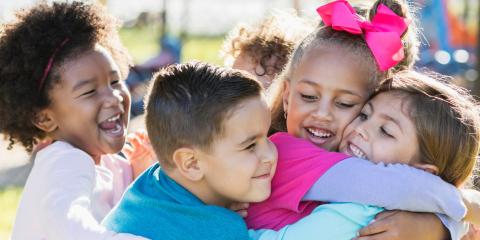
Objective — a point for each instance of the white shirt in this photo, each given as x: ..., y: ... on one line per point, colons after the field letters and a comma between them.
x: 66, y: 195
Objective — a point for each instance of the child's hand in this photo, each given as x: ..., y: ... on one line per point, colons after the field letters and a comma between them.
x: 473, y: 233
x: 396, y: 225
x: 240, y: 208
x: 139, y: 152
x: 471, y: 198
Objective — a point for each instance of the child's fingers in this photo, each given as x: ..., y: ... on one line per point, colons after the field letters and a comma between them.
x: 375, y: 227
x: 127, y: 149
x: 239, y: 206
x: 385, y: 214
x: 142, y: 133
x: 243, y: 213
x: 135, y: 141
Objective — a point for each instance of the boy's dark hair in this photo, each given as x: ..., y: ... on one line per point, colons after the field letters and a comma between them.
x: 26, y: 46
x: 187, y: 105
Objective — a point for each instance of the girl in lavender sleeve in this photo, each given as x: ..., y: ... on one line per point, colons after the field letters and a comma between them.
x: 413, y: 120
x: 330, y: 76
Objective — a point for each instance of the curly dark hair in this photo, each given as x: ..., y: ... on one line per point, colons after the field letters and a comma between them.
x: 26, y: 46
x: 276, y: 35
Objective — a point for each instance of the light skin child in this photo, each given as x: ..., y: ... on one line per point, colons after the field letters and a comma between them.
x: 240, y: 163
x: 384, y: 132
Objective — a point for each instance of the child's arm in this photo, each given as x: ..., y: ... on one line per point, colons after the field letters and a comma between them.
x: 327, y: 221
x: 393, y: 186
x: 140, y: 153
x: 409, y: 225
x: 65, y: 208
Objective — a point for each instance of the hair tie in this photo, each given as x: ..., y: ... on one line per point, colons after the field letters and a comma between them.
x: 50, y: 63
x: 382, y: 34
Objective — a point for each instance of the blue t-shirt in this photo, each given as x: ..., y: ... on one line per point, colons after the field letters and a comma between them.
x: 340, y: 221
x: 157, y: 207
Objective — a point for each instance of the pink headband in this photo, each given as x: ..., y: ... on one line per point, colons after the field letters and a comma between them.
x: 382, y: 34
x: 50, y: 63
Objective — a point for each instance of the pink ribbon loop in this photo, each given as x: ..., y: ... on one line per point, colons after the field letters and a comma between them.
x: 382, y: 34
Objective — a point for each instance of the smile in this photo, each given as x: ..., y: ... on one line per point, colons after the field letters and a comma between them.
x: 356, y: 151
x: 318, y: 135
x: 113, y: 126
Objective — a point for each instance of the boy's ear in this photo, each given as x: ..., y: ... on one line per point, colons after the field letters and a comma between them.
x: 44, y: 121
x: 186, y: 162
x: 427, y: 167
x: 286, y: 94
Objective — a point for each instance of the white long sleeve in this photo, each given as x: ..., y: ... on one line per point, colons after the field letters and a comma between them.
x: 57, y: 198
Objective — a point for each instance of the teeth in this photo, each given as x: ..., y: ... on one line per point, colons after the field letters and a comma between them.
x: 113, y: 119
x: 319, y: 133
x: 356, y: 151
x: 117, y: 129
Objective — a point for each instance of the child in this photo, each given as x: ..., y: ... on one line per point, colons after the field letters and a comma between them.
x: 208, y: 127
x: 61, y: 71
x: 325, y: 85
x: 414, y: 120
x: 263, y: 49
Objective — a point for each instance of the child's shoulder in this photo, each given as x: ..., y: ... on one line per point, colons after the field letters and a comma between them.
x: 61, y: 153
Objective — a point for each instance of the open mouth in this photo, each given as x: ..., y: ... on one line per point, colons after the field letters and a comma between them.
x: 113, y: 126
x: 319, y: 135
x: 356, y: 151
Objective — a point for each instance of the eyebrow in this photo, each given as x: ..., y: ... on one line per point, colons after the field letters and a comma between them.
x: 387, y: 117
x: 312, y: 83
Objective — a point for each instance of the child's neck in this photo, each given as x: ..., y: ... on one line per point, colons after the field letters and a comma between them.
x: 200, y: 189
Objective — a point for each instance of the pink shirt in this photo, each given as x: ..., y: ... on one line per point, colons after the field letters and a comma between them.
x: 300, y: 165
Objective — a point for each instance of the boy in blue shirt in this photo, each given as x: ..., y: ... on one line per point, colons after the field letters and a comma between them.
x: 208, y: 127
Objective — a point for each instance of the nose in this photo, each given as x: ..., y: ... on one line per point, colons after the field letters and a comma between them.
x: 269, y: 154
x: 360, y: 130
x: 324, y: 111
x: 113, y: 97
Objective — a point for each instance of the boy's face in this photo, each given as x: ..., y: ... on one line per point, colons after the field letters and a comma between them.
x: 382, y: 132
x: 91, y: 104
x: 324, y: 95
x: 241, y: 162
x: 247, y: 63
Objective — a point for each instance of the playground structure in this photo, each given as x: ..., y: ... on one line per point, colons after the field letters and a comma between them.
x: 450, y: 28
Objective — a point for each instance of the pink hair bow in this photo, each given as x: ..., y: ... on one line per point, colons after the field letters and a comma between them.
x: 382, y: 34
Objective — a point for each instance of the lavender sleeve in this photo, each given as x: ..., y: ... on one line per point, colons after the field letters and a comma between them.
x: 391, y: 186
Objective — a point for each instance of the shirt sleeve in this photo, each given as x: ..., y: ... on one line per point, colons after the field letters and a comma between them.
x: 297, y: 231
x: 457, y: 229
x: 65, y: 207
x: 392, y: 186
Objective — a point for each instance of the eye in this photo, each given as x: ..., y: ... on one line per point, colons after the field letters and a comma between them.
x: 385, y: 132
x: 251, y: 146
x: 308, y: 98
x: 362, y: 116
x: 88, y: 92
x: 344, y: 105
x: 115, y: 82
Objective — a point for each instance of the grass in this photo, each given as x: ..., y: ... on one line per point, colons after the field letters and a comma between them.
x: 142, y: 44
x: 9, y: 198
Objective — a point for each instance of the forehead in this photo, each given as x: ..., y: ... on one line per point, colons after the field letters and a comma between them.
x: 249, y: 117
x: 392, y: 103
x: 333, y: 70
x: 87, y: 65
